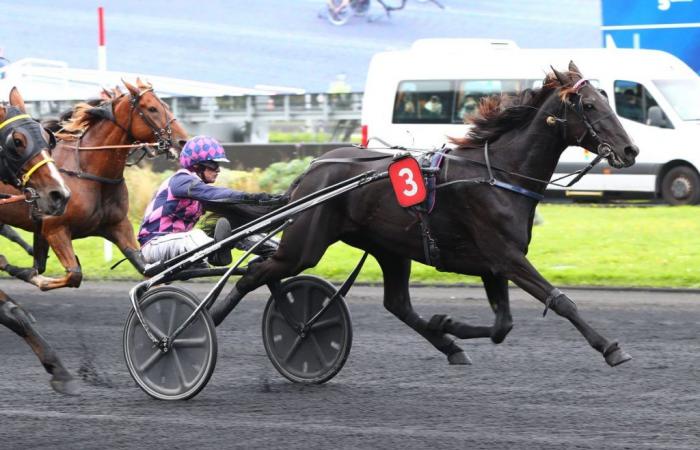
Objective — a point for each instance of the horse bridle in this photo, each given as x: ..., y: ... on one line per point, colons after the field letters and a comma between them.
x: 163, y: 135
x: 11, y: 162
x: 106, y: 110
x: 603, y: 149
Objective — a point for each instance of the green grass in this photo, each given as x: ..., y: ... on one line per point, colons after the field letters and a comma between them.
x: 577, y: 245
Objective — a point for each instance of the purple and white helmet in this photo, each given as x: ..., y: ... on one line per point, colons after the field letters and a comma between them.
x: 201, y: 148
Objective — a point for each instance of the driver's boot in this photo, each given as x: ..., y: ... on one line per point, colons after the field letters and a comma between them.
x: 221, y: 232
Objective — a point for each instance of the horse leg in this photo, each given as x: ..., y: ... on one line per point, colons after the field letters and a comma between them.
x: 397, y: 300
x: 41, y: 252
x: 295, y: 253
x: 522, y: 273
x: 497, y: 292
x: 9, y: 232
x: 17, y: 320
x: 60, y: 241
x: 122, y: 234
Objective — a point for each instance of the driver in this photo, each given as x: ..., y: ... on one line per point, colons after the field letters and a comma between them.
x: 167, y: 229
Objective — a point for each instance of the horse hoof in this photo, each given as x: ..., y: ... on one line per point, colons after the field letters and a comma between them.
x: 615, y: 356
x: 501, y: 333
x: 459, y: 359
x: 66, y: 387
x: 3, y: 262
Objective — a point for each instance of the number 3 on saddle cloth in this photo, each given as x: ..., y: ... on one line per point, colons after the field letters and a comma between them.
x: 414, y: 186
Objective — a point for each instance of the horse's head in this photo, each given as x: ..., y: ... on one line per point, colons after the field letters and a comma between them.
x: 24, y: 158
x: 149, y: 119
x: 590, y: 121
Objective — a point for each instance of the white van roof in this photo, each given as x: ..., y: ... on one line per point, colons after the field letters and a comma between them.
x: 430, y: 59
x: 460, y: 44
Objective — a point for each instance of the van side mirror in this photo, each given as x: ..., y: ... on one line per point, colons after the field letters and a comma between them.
x: 656, y: 118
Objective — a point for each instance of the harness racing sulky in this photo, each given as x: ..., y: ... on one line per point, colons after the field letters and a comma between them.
x: 468, y: 210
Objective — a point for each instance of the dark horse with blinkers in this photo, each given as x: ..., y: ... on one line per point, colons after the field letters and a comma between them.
x: 487, y: 192
x: 92, y: 153
x: 26, y: 165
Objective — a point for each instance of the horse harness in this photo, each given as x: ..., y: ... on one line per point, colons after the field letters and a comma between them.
x: 106, y: 111
x: 431, y: 163
x: 12, y: 163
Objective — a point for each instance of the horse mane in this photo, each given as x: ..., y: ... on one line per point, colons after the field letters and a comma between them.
x: 500, y: 113
x: 76, y: 121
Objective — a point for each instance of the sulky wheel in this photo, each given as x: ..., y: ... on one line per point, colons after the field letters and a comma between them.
x: 317, y: 355
x: 182, y: 371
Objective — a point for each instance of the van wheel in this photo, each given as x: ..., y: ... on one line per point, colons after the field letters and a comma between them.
x: 681, y: 186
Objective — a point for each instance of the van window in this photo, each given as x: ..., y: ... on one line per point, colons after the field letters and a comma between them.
x: 470, y: 92
x: 448, y: 101
x: 683, y: 95
x: 634, y: 102
x: 425, y: 101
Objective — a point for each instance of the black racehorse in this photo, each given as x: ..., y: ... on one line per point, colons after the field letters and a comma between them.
x: 482, y: 220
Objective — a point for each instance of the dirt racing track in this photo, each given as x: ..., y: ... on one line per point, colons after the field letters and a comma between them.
x: 542, y: 388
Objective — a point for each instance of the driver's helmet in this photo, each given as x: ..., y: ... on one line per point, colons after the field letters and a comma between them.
x: 199, y: 149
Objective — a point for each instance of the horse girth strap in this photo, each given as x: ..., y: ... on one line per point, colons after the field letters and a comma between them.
x: 90, y: 177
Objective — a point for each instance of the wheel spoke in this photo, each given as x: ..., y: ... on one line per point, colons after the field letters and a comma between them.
x: 327, y: 323
x: 302, y: 297
x: 150, y: 361
x: 190, y: 342
x: 180, y: 371
x: 171, y: 320
x: 295, y: 346
x: 318, y: 351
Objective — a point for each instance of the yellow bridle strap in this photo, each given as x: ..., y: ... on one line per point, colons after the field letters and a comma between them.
x: 30, y: 172
x: 12, y: 119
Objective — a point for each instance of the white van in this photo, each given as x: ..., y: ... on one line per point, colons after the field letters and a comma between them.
x: 418, y: 97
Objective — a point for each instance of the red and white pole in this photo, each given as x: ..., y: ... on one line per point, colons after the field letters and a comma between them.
x: 102, y: 65
x: 101, y: 46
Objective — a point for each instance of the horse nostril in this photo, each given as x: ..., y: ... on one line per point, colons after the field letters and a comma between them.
x: 632, y: 151
x: 59, y: 198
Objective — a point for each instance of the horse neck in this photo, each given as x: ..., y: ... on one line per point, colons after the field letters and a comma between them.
x: 533, y: 151
x: 108, y: 162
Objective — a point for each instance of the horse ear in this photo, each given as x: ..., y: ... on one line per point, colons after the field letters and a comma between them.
x: 573, y: 68
x: 133, y: 90
x: 3, y: 112
x: 107, y: 94
x: 141, y: 84
x: 16, y: 99
x: 560, y: 76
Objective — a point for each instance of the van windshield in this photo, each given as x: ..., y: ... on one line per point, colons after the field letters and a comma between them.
x: 683, y: 95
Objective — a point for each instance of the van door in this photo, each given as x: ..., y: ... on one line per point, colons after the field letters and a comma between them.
x: 649, y: 127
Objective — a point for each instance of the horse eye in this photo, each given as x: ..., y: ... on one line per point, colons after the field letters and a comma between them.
x: 588, y: 106
x: 18, y: 143
x: 152, y: 109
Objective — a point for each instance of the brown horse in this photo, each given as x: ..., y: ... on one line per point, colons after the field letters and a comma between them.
x: 92, y: 154
x: 25, y: 164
